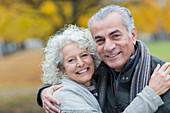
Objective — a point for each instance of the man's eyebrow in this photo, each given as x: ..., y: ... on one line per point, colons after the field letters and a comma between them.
x: 96, y: 37
x: 115, y: 31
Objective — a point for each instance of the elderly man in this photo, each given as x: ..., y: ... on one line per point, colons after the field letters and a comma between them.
x: 126, y: 65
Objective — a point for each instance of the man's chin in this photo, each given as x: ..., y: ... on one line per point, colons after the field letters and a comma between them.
x: 116, y: 66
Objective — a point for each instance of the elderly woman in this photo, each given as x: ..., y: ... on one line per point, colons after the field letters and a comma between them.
x: 70, y: 60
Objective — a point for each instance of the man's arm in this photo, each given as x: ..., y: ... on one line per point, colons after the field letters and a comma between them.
x: 39, y: 101
x: 45, y: 98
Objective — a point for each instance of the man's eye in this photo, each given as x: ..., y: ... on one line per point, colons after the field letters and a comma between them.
x: 99, y: 42
x: 115, y: 36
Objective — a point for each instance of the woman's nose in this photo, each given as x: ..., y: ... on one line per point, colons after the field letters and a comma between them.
x: 80, y: 62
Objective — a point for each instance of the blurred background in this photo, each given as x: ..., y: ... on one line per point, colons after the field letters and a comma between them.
x: 26, y: 25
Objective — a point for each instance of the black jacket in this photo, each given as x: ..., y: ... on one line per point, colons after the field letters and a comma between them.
x: 116, y: 100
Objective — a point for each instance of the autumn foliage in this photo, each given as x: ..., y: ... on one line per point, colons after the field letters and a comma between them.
x: 22, y: 19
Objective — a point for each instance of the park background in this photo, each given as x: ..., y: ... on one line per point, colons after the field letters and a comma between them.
x: 26, y: 25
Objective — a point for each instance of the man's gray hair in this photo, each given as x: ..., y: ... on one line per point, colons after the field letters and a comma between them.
x: 127, y: 19
x: 52, y: 73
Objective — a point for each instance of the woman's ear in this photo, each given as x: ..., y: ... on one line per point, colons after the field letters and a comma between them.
x: 61, y: 67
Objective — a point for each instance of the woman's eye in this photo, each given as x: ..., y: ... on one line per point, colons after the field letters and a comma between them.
x: 84, y: 55
x: 71, y: 60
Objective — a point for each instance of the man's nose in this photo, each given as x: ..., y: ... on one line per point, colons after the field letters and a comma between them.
x: 109, y: 45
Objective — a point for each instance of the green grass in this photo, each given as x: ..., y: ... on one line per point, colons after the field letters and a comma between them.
x: 160, y: 49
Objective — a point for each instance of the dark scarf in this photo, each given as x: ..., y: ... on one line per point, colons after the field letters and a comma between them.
x: 141, y: 75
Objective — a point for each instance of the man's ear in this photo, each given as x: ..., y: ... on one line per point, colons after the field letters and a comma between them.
x: 134, y: 36
x: 61, y: 67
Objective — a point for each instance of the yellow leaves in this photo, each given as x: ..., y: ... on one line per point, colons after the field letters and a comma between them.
x: 57, y: 20
x: 58, y: 12
x: 67, y: 9
x: 83, y: 20
x: 49, y: 8
x: 166, y: 16
x: 41, y: 18
x: 40, y: 27
x: 148, y: 20
x: 147, y: 15
x: 166, y: 23
x: 20, y: 22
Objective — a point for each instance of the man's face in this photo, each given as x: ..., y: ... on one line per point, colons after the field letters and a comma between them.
x: 113, y: 43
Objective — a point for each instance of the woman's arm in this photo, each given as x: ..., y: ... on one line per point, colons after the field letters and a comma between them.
x: 76, y: 98
x: 147, y: 101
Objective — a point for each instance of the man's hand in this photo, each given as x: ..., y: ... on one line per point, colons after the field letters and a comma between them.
x: 160, y: 79
x: 47, y: 99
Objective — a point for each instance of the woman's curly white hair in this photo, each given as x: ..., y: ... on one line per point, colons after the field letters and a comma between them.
x: 52, y: 74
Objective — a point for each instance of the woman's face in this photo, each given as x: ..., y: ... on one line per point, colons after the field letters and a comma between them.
x: 78, y: 64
